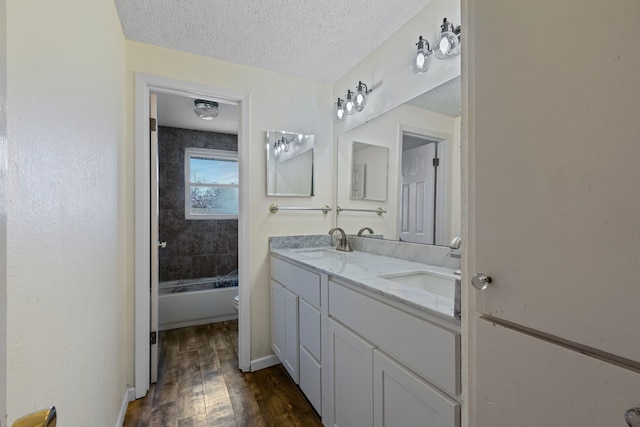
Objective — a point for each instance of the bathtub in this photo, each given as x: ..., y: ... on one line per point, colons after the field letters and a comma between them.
x: 183, y: 303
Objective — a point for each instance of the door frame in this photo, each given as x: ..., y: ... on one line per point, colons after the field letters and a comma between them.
x: 3, y: 214
x: 144, y: 84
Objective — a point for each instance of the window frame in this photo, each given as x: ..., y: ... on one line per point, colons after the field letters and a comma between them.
x: 212, y: 154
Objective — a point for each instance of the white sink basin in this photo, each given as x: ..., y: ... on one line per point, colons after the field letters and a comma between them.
x: 430, y: 282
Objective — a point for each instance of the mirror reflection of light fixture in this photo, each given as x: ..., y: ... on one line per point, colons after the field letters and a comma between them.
x: 280, y: 146
x: 422, y: 58
x: 449, y: 43
x: 349, y: 106
x: 339, y: 111
x: 361, y: 96
x: 206, y: 110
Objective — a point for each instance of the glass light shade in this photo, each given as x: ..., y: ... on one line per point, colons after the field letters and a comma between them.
x: 449, y: 44
x: 349, y: 106
x: 339, y: 111
x: 206, y: 110
x: 361, y: 96
x: 421, y: 59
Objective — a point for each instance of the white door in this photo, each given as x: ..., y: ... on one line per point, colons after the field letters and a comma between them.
x: 153, y: 114
x: 418, y: 195
x: 554, y: 210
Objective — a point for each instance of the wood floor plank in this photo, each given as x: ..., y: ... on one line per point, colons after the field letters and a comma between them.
x: 199, y: 384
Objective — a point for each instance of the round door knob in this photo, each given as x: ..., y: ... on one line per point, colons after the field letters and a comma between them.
x: 632, y: 417
x: 481, y: 281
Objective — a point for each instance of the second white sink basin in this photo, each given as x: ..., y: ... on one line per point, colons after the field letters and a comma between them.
x: 430, y: 282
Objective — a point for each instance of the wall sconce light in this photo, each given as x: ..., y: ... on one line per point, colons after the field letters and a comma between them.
x: 422, y: 57
x: 449, y: 42
x: 206, y: 110
x: 353, y: 101
x: 280, y: 146
x: 361, y: 96
x: 339, y: 111
x: 349, y: 106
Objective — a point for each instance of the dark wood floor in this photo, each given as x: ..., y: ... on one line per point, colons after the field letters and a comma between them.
x: 199, y: 384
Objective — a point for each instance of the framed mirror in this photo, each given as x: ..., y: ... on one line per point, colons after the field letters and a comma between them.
x: 422, y: 180
x: 289, y: 163
x: 369, y: 164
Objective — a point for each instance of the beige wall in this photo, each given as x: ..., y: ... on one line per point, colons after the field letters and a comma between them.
x: 276, y: 101
x: 65, y: 240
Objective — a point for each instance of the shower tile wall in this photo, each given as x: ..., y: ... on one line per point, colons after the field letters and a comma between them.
x: 195, y: 248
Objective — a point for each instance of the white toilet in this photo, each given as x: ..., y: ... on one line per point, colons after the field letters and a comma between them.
x: 236, y: 300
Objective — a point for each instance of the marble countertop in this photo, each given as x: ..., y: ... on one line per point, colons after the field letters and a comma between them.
x: 364, y: 269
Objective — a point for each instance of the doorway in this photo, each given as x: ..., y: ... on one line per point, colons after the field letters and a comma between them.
x: 423, y: 189
x: 145, y: 86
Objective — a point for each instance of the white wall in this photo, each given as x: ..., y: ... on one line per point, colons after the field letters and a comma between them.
x: 65, y: 246
x: 385, y: 131
x: 276, y: 102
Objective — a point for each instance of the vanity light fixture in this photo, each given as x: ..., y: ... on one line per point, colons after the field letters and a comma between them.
x: 349, y: 105
x: 449, y: 41
x: 339, y: 111
x: 206, y: 110
x: 422, y: 58
x: 361, y: 96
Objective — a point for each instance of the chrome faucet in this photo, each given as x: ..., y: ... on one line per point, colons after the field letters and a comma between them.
x: 454, y: 247
x: 363, y: 229
x: 344, y: 245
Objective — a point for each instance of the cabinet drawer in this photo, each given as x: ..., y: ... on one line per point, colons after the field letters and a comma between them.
x: 427, y: 349
x: 304, y: 283
x: 310, y: 379
x: 309, y: 328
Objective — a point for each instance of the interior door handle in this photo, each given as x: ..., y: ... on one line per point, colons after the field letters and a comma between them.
x: 481, y: 281
x: 162, y: 244
x: 43, y: 418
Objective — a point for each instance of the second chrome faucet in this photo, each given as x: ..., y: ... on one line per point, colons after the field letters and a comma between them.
x: 344, y: 244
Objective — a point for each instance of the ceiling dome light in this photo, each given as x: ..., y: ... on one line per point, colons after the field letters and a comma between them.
x: 422, y: 58
x: 206, y: 110
x: 339, y: 111
x: 361, y: 96
x: 349, y: 106
x: 449, y: 43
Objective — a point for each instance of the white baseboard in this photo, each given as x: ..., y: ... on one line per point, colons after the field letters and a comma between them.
x: 129, y: 395
x: 264, y: 362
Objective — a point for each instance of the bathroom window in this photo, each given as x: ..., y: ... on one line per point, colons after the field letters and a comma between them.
x: 211, y: 184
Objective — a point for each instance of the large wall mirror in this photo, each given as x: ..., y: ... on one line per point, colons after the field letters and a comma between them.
x: 420, y: 187
x: 289, y: 164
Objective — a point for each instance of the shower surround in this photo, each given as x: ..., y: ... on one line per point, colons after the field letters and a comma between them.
x: 195, y: 248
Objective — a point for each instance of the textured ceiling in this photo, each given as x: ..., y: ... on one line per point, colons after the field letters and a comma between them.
x: 319, y: 40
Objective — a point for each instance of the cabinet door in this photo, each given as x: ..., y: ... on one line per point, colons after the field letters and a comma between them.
x: 401, y: 398
x: 351, y: 381
x: 277, y: 320
x: 290, y: 306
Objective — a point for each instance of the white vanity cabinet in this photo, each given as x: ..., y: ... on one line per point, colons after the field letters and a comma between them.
x: 389, y: 367
x: 295, y: 325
